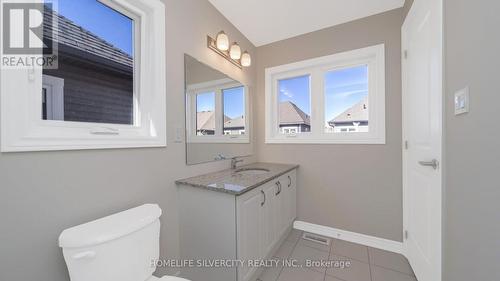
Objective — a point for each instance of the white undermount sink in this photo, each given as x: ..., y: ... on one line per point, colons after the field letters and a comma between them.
x: 251, y: 171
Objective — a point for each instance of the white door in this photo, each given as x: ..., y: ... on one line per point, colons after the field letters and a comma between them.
x: 422, y: 132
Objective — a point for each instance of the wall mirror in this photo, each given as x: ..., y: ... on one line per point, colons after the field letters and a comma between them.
x: 217, y: 114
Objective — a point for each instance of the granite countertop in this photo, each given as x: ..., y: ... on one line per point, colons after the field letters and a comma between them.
x: 228, y: 181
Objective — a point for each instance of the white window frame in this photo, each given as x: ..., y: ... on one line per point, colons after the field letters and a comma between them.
x: 216, y: 86
x: 22, y: 128
x: 373, y: 57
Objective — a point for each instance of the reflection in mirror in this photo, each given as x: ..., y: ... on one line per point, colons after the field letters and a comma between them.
x: 216, y: 115
x: 234, y: 109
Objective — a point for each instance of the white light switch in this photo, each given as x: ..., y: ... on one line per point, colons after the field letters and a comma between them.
x: 462, y: 101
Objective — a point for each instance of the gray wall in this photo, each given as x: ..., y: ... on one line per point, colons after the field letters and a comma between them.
x: 351, y: 187
x: 472, y: 147
x: 42, y: 193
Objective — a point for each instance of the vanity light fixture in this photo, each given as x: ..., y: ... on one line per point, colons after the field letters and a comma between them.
x: 232, y: 53
x: 235, y: 51
x: 246, y: 60
x: 222, y: 41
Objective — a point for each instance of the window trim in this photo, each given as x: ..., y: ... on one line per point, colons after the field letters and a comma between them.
x: 216, y: 86
x: 22, y: 128
x: 373, y: 56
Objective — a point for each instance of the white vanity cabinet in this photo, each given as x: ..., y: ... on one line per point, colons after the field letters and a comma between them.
x: 250, y: 226
x: 264, y: 216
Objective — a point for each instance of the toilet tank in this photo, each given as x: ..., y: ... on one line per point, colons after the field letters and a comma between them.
x: 120, y: 247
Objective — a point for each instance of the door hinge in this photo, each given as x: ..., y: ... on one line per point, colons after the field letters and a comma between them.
x: 406, y: 145
x: 406, y: 234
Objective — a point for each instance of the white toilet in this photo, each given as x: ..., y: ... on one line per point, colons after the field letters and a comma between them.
x: 120, y: 247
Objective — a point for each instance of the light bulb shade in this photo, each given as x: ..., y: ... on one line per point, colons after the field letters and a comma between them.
x: 246, y: 59
x: 235, y: 51
x: 222, y: 41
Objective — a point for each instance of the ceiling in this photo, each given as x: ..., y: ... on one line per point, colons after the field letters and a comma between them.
x: 267, y: 21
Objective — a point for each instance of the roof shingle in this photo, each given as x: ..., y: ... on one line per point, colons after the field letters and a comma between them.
x: 289, y: 113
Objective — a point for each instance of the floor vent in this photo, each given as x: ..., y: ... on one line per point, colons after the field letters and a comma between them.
x: 316, y: 238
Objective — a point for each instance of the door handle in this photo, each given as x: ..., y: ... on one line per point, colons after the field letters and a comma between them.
x: 263, y: 202
x: 433, y: 163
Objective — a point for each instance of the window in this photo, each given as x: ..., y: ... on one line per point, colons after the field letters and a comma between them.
x: 294, y: 106
x: 99, y: 78
x: 333, y: 99
x: 108, y: 90
x: 234, y: 111
x: 346, y: 100
x: 205, y: 114
x: 217, y: 112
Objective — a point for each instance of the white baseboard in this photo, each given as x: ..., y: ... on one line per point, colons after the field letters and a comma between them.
x: 367, y: 240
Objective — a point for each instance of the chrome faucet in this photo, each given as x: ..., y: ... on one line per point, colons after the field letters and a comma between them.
x: 235, y: 161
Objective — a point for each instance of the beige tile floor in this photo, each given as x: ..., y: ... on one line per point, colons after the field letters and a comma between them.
x: 365, y: 263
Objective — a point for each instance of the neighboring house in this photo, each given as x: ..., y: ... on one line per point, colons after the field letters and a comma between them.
x: 94, y: 80
x: 235, y: 126
x: 354, y: 119
x: 292, y: 119
x: 205, y: 123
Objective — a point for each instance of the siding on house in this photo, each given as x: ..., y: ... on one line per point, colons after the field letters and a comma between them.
x: 94, y: 95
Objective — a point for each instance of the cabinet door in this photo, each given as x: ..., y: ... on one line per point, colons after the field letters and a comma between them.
x: 291, y: 187
x: 290, y: 190
x: 268, y: 219
x: 250, y: 214
x: 281, y: 208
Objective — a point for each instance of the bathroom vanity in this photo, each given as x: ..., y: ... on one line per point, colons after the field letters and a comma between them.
x: 238, y: 214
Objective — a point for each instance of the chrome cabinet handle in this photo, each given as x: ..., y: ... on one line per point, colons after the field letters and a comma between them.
x: 289, y: 181
x: 278, y: 184
x: 433, y: 163
x: 263, y: 202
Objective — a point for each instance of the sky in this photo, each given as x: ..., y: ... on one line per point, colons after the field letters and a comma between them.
x: 343, y: 89
x: 108, y: 24
x: 205, y: 102
x: 296, y: 90
x: 233, y: 101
